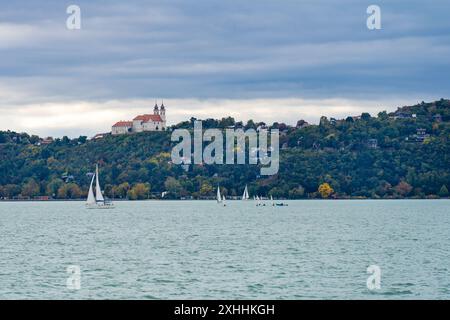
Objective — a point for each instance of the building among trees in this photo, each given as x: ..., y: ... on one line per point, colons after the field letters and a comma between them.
x: 145, y: 122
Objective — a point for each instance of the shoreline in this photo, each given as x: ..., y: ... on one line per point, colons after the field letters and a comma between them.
x: 167, y: 200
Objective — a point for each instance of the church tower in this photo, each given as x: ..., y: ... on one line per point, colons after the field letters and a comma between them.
x: 162, y: 112
x: 155, y: 109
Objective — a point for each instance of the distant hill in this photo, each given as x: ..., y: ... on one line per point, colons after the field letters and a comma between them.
x: 392, y: 155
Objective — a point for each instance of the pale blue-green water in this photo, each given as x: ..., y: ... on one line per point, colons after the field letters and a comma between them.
x: 199, y: 250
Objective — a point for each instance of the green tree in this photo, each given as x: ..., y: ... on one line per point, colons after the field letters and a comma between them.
x: 206, y: 189
x: 69, y: 191
x: 172, y: 185
x: 30, y: 189
x: 11, y: 190
x: 297, y: 193
x: 443, y: 192
x: 53, y: 187
x: 121, y: 190
x: 139, y: 192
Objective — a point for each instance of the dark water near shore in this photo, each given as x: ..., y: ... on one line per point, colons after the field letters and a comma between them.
x: 199, y: 250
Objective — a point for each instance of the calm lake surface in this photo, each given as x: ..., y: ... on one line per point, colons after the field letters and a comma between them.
x: 199, y: 250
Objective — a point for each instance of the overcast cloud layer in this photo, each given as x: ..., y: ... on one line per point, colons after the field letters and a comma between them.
x: 270, y: 60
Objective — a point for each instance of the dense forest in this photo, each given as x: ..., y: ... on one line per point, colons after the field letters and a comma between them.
x: 391, y: 155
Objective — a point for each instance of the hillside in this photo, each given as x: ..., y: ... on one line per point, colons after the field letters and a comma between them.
x: 396, y: 155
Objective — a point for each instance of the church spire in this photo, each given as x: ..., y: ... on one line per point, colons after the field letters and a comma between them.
x: 156, y: 109
x: 162, y: 111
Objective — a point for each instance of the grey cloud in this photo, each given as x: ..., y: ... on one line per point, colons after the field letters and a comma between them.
x: 207, y: 49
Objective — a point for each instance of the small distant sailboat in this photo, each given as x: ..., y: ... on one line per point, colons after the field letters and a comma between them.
x: 278, y: 204
x: 281, y: 204
x: 220, y: 199
x: 97, y: 201
x: 245, y: 196
x: 261, y: 203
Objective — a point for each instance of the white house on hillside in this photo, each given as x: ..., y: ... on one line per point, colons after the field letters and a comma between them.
x: 145, y: 122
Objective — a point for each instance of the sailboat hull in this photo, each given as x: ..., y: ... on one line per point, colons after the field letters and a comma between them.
x: 103, y: 206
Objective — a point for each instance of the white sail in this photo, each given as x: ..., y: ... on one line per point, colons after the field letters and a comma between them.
x: 245, y: 196
x: 98, y: 190
x: 219, y: 198
x: 271, y: 199
x: 91, y: 197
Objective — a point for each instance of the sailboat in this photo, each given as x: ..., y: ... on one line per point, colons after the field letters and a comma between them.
x: 97, y: 201
x: 245, y: 196
x: 220, y: 199
x: 271, y: 199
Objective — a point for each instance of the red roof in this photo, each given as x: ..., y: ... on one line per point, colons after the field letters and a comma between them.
x: 123, y: 124
x: 149, y: 117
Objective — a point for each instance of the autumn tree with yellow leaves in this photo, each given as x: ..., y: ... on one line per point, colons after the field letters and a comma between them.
x: 325, y: 190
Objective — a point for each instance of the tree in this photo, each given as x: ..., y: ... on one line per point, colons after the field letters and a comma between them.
x: 121, y: 190
x: 383, y: 115
x: 250, y: 125
x: 30, y: 189
x: 69, y: 191
x: 226, y: 122
x: 34, y: 139
x: 172, y: 185
x: 276, y: 192
x: 325, y: 190
x: 301, y: 123
x: 337, y: 154
x: 139, y: 192
x: 65, y: 140
x: 443, y: 192
x: 297, y: 193
x: 11, y: 190
x: 3, y: 137
x: 206, y: 189
x: 53, y: 187
x: 403, y: 188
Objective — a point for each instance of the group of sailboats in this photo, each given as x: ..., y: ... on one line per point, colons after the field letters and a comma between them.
x: 246, y: 196
x: 97, y: 200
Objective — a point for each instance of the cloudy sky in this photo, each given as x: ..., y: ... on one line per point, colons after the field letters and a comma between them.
x: 270, y: 60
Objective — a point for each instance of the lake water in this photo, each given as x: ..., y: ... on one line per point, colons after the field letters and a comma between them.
x: 199, y: 250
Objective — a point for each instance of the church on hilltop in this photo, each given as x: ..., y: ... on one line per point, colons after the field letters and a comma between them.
x: 145, y: 122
